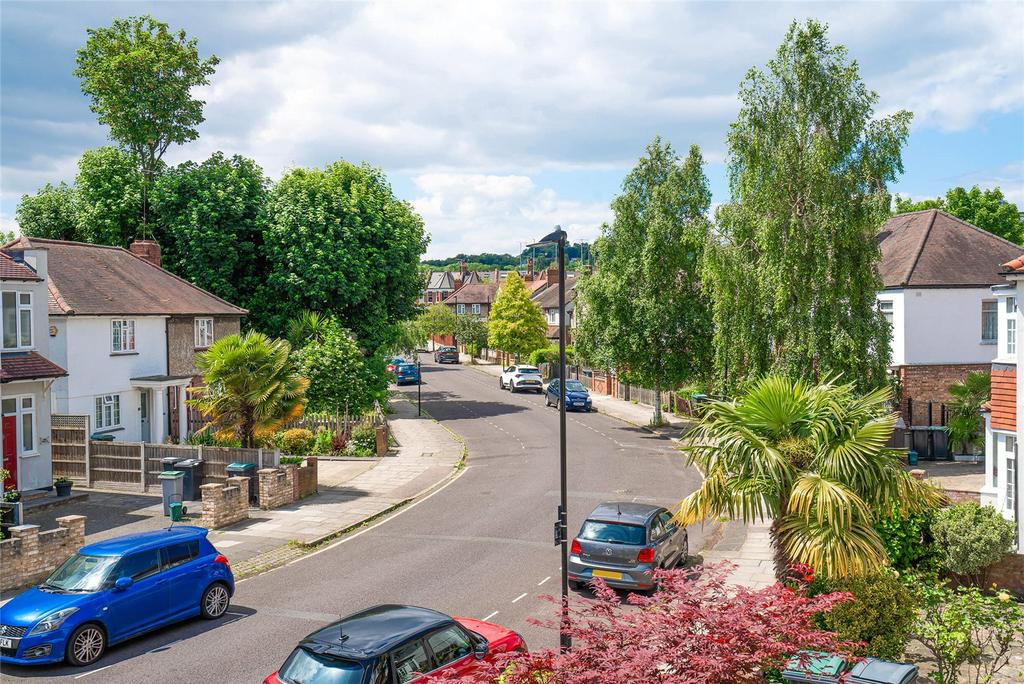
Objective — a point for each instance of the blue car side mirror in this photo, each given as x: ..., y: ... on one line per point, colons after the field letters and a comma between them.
x: 122, y: 583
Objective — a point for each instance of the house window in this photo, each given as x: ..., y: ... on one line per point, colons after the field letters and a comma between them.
x: 108, y: 411
x: 430, y: 298
x: 17, y: 320
x: 1011, y: 485
x: 460, y: 309
x: 122, y: 336
x: 989, y: 321
x: 476, y: 309
x: 203, y: 332
x: 885, y: 306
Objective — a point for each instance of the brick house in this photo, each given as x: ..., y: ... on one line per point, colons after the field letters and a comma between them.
x: 128, y: 332
x: 937, y: 274
x: 547, y: 299
x: 473, y: 299
x: 442, y: 284
x: 26, y: 372
x: 1003, y: 420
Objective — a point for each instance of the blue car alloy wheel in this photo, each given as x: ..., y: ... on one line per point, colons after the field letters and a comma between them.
x: 114, y: 590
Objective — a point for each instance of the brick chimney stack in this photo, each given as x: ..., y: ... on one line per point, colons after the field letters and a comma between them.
x: 147, y: 250
x: 529, y: 269
x: 552, y: 275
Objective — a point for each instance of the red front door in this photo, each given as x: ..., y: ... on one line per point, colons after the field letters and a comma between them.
x: 10, y: 430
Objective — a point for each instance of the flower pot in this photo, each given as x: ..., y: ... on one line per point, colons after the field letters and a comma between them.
x: 63, y: 489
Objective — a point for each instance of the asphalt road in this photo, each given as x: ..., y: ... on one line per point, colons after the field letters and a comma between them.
x: 480, y: 547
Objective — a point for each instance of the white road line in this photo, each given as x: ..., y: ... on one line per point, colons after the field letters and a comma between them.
x: 490, y: 616
x: 518, y: 598
x: 86, y: 674
x: 544, y: 580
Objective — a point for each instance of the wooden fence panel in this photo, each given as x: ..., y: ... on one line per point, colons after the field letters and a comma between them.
x: 69, y: 435
x: 156, y: 452
x: 216, y: 459
x: 116, y: 465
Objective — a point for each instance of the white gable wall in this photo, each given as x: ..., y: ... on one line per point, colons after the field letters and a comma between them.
x: 943, y: 326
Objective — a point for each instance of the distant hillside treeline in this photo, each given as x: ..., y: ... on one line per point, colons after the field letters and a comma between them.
x: 580, y: 252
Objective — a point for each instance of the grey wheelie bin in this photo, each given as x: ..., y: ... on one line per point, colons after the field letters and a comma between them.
x: 874, y: 671
x: 193, y: 469
x: 170, y: 488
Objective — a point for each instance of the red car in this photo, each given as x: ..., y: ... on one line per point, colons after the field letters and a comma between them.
x: 392, y: 644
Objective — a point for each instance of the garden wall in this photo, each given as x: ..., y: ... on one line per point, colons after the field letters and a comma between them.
x: 1008, y: 573
x: 30, y: 555
x: 306, y: 478
x: 225, y: 504
x: 277, y: 486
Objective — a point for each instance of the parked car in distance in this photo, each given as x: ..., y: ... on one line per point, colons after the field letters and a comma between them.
x: 407, y: 373
x: 622, y: 543
x: 446, y: 355
x: 577, y: 398
x: 520, y: 377
x: 393, y: 363
x: 393, y: 644
x: 114, y: 590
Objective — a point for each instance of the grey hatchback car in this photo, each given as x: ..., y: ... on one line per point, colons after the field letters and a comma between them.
x: 623, y: 542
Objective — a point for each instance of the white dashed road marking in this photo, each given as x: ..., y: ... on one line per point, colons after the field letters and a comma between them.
x: 544, y: 580
x: 490, y: 616
x: 519, y: 598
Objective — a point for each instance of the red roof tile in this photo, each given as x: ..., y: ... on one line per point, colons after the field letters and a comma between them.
x: 1017, y: 265
x: 15, y: 270
x: 27, y: 366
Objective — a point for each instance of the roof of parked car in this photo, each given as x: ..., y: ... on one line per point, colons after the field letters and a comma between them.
x: 375, y: 631
x: 624, y: 511
x: 144, y: 540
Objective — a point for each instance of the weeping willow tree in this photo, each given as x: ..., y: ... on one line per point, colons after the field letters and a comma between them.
x: 792, y: 269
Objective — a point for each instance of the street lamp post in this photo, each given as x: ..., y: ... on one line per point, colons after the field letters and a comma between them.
x: 561, y: 524
x: 419, y: 387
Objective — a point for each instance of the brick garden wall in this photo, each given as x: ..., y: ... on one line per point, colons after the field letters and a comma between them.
x: 306, y: 478
x: 277, y: 486
x: 225, y: 504
x: 924, y: 383
x: 30, y: 555
x: 1008, y: 573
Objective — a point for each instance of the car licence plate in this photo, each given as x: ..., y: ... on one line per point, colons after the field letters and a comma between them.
x: 6, y: 643
x: 577, y: 403
x: 608, y: 574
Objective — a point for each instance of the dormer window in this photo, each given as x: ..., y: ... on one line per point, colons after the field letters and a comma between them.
x: 17, y: 320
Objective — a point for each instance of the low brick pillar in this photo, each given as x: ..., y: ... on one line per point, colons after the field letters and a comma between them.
x: 382, y: 440
x: 306, y: 478
x: 917, y: 474
x: 225, y: 504
x: 277, y: 486
x: 30, y: 555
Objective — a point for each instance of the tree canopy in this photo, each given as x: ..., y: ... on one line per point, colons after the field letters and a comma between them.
x: 987, y: 209
x: 437, y: 320
x: 139, y: 76
x: 109, y: 191
x: 339, y: 241
x: 792, y: 270
x: 50, y: 213
x: 340, y: 377
x: 644, y: 312
x: 516, y: 325
x: 471, y: 331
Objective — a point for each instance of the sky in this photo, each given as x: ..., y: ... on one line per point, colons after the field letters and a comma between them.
x: 498, y: 120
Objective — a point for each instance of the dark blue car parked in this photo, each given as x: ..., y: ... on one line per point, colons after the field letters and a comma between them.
x: 113, y: 590
x: 576, y: 396
x: 407, y: 374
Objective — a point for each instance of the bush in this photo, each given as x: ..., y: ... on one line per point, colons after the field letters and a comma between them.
x: 550, y: 355
x: 907, y: 539
x: 297, y: 441
x: 208, y: 438
x: 969, y: 538
x: 881, y: 615
x: 291, y: 460
x: 323, y: 442
x: 364, y: 440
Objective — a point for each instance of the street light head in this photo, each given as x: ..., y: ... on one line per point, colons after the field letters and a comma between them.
x: 551, y: 238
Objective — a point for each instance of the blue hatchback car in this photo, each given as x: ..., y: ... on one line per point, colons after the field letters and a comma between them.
x: 113, y: 590
x: 576, y: 396
x: 407, y: 374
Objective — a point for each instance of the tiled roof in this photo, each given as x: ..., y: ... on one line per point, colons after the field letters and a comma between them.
x: 97, y: 279
x: 27, y: 366
x: 474, y: 293
x: 15, y: 270
x: 1015, y: 266
x: 440, y: 280
x: 934, y: 249
x: 548, y: 298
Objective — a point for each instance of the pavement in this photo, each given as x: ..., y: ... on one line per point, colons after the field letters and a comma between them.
x: 480, y: 545
x: 748, y: 548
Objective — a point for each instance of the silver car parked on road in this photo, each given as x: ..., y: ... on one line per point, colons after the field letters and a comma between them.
x: 622, y: 543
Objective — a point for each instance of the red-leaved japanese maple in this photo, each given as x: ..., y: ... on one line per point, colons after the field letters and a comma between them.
x: 695, y: 628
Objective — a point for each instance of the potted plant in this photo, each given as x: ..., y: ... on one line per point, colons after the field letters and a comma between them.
x: 63, y: 486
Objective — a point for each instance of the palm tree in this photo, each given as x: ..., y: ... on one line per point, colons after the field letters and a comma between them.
x: 812, y: 458
x: 252, y: 386
x: 309, y: 326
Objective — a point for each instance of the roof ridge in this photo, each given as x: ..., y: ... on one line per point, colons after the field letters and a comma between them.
x: 190, y: 284
x: 920, y: 247
x: 980, y: 230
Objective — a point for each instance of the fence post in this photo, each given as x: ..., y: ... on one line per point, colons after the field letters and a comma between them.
x: 200, y: 452
x: 88, y: 459
x: 142, y: 464
x: 259, y: 457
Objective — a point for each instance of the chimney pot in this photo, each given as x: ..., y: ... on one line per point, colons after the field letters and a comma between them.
x: 147, y: 250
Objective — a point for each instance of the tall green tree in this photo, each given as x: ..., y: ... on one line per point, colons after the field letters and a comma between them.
x: 339, y: 241
x: 209, y: 221
x: 437, y: 320
x: 139, y: 76
x: 988, y: 209
x: 471, y: 331
x: 109, y: 191
x: 810, y: 458
x: 340, y: 377
x: 50, y: 213
x: 516, y: 324
x: 645, y: 313
x: 252, y: 386
x: 792, y: 271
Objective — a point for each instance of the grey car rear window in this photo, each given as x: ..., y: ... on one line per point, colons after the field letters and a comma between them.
x: 613, y: 533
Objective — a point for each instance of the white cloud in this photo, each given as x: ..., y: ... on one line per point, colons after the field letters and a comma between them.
x: 474, y: 213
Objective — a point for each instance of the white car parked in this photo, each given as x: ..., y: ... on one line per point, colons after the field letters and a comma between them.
x: 520, y: 377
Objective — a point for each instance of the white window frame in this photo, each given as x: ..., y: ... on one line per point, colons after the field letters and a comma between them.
x: 460, y: 309
x: 20, y: 411
x: 476, y: 309
x: 1011, y: 485
x: 100, y: 413
x: 990, y: 307
x: 887, y: 307
x: 203, y: 332
x: 19, y: 307
x: 126, y: 325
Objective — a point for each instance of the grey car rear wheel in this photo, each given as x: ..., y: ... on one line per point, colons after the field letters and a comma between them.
x: 215, y: 601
